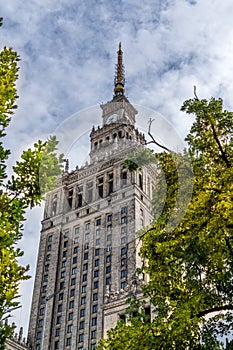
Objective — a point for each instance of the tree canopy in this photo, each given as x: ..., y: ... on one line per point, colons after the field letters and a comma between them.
x: 32, y: 176
x: 189, y: 256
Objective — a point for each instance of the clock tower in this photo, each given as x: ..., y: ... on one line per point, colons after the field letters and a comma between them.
x: 88, y: 253
x: 118, y: 131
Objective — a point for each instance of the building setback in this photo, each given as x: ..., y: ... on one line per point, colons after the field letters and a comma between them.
x: 87, y: 256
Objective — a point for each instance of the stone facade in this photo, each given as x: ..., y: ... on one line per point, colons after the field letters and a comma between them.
x: 88, y: 248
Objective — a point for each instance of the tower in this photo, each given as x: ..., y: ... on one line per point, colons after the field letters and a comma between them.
x: 88, y: 248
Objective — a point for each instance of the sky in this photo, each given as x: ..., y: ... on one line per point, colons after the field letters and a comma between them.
x: 68, y: 54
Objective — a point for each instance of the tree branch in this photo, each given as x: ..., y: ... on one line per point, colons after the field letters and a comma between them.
x: 223, y: 153
x: 153, y: 140
x: 215, y: 309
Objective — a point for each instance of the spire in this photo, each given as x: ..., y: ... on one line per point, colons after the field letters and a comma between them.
x: 119, y: 79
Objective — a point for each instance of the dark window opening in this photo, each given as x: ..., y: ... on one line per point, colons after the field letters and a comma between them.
x: 70, y: 198
x: 80, y: 200
x: 140, y: 181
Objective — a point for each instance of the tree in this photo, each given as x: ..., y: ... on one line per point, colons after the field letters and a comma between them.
x: 190, y: 260
x: 33, y: 175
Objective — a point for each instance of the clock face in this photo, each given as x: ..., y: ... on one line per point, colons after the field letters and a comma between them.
x: 112, y: 118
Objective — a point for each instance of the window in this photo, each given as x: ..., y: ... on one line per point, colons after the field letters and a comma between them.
x: 58, y: 319
x: 66, y: 234
x: 82, y: 312
x: 70, y: 198
x: 72, y: 292
x: 108, y: 281
x: 95, y: 296
x: 64, y: 254
x: 109, y: 227
x: 89, y: 192
x: 81, y: 325
x: 47, y: 257
x: 124, y: 178
x: 65, y: 244
x: 123, y: 285
x: 77, y: 230
x: 141, y: 212
x: 87, y: 236
x: 123, y: 250
x: 85, y: 256
x: 71, y: 304
x: 123, y: 261
x: 109, y: 217
x: 93, y: 346
x: 108, y: 269
x: 74, y: 270
x: 45, y: 278
x: 97, y: 232
x: 123, y: 210
x: 81, y: 338
x: 123, y: 229
x: 108, y: 258
x: 97, y: 252
x: 60, y: 296
x: 83, y: 300
x: 47, y: 267
x: 96, y: 284
x: 57, y: 344
x: 84, y: 289
x: 73, y: 281
x: 70, y: 316
x: 63, y: 264
x: 49, y: 248
x: 68, y: 341
x: 75, y: 250
x: 85, y: 278
x: 123, y: 220
x: 94, y: 309
x: 140, y: 181
x: 40, y: 323
x: 85, y: 267
x: 123, y: 240
x: 123, y: 273
x: 63, y: 274
x: 38, y: 347
x: 109, y: 248
x: 97, y: 262
x: 69, y: 328
x: 86, y: 246
x: 96, y: 273
x: 94, y: 321
x: 93, y: 334
x: 43, y: 299
x: 110, y: 183
x: 80, y: 200
x: 57, y: 332
x: 76, y: 240
x: 109, y: 238
x: 50, y: 238
x: 75, y: 259
x: 62, y: 285
x: 87, y: 226
x: 80, y: 348
x: 100, y: 187
x: 59, y: 308
x: 97, y: 242
x: 44, y: 288
x: 98, y: 222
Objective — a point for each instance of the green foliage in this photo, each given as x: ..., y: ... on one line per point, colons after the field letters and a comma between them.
x: 33, y: 175
x: 189, y: 248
